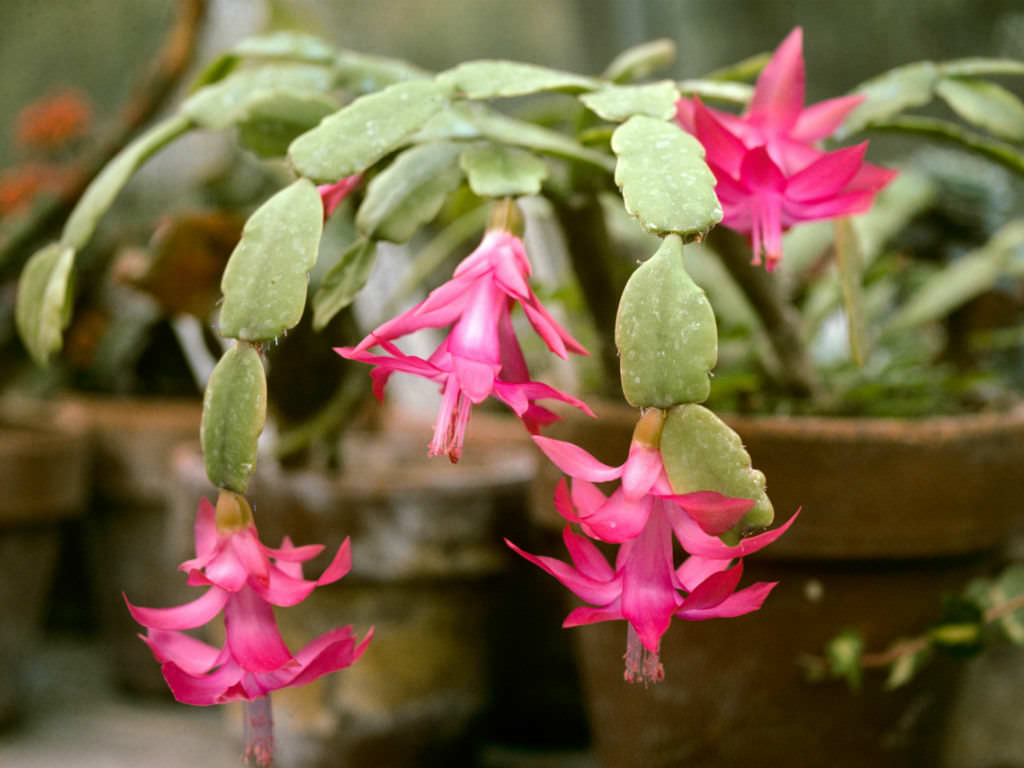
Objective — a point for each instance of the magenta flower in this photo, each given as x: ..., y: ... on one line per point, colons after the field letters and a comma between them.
x: 624, y: 514
x: 332, y: 195
x: 646, y: 589
x: 643, y: 514
x: 245, y: 578
x: 481, y: 355
x: 770, y: 173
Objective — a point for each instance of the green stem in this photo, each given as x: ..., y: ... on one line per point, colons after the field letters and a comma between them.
x: 943, y: 130
x: 780, y: 321
x: 592, y: 256
x: 345, y: 401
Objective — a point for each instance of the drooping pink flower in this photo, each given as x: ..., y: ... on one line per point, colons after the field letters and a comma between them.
x: 644, y: 515
x: 646, y: 589
x: 481, y: 355
x: 770, y: 172
x: 244, y: 579
x: 332, y: 195
x: 624, y: 514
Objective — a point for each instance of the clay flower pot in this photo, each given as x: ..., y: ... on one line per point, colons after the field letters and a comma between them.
x: 131, y: 440
x: 43, y: 477
x: 427, y: 555
x: 895, y: 513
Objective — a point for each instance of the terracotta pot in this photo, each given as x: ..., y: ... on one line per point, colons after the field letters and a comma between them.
x: 43, y: 477
x: 427, y: 559
x: 894, y: 514
x: 131, y: 441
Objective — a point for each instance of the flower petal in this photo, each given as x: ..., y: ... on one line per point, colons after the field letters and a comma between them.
x: 714, y: 589
x: 696, y: 569
x: 252, y: 633
x: 779, y: 92
x: 723, y: 148
x: 822, y: 119
x: 201, y: 690
x: 575, y: 461
x: 713, y: 512
x: 187, y: 616
x: 586, y: 614
x: 340, y: 564
x: 642, y: 469
x: 827, y: 175
x: 586, y: 557
x: 190, y: 654
x: 620, y: 518
x: 588, y: 589
x: 696, y: 542
x: 226, y: 569
x: 251, y: 554
x: 739, y: 603
x: 649, y: 597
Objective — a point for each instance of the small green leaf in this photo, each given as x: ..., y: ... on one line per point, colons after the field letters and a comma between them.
x: 890, y: 93
x: 1009, y: 587
x: 215, y: 71
x: 294, y: 46
x: 907, y: 665
x: 965, y: 278
x: 365, y: 73
x: 104, y: 188
x: 218, y: 106
x: 234, y: 410
x: 43, y: 306
x: 988, y: 105
x: 353, y: 139
x: 463, y: 121
x: 843, y: 653
x: 508, y: 130
x: 265, y: 280
x: 409, y: 192
x: 664, y: 180
x: 641, y: 61
x: 702, y: 453
x: 272, y: 119
x: 720, y: 90
x: 620, y: 102
x: 343, y: 281
x: 492, y: 79
x: 665, y: 333
x: 958, y: 631
x: 498, y: 171
x: 972, y: 67
x: 746, y: 69
x: 850, y: 260
x: 946, y: 130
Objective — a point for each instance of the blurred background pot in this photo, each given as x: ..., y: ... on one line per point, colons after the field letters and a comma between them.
x: 43, y: 477
x: 131, y: 440
x: 430, y: 573
x: 895, y: 513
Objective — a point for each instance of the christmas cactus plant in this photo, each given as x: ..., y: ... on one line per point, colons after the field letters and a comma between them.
x: 396, y: 149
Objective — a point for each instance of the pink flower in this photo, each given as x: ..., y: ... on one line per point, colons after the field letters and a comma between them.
x: 643, y: 514
x: 332, y: 195
x: 770, y: 173
x: 245, y: 578
x: 481, y: 355
x: 623, y: 515
x: 646, y: 589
